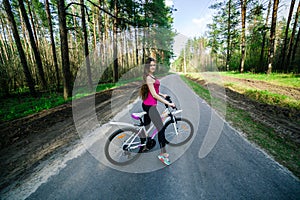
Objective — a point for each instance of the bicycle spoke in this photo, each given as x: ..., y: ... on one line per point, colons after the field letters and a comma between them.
x: 123, y: 147
x: 179, y: 132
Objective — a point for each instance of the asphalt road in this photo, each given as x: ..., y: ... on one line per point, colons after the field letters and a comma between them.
x: 230, y: 168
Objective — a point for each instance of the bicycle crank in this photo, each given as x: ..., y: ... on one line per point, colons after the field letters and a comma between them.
x: 150, y: 143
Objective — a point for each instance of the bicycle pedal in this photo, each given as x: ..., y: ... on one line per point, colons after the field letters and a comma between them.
x: 150, y: 144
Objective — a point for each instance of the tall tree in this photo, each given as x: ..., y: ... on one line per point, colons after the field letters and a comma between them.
x: 262, y: 52
x: 255, y: 29
x: 35, y: 50
x: 64, y: 49
x: 213, y: 36
x: 136, y: 33
x: 290, y: 47
x: 272, y: 37
x: 243, y: 45
x: 14, y: 28
x: 86, y: 45
x: 296, y: 45
x: 228, y: 35
x: 115, y: 40
x: 130, y: 19
x: 225, y: 35
x: 283, y: 54
x: 47, y: 7
x: 32, y: 22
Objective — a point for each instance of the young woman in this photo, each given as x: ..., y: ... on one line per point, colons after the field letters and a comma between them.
x: 150, y: 94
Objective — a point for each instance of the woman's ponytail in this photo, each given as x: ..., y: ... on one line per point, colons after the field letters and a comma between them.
x: 144, y: 90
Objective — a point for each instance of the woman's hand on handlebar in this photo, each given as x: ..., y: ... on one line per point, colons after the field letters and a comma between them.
x: 168, y: 98
x: 172, y: 105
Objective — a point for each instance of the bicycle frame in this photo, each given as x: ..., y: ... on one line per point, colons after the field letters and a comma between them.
x: 166, y: 115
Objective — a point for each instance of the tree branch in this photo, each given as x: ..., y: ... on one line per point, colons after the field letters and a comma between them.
x: 72, y: 3
x: 70, y: 14
x: 101, y: 9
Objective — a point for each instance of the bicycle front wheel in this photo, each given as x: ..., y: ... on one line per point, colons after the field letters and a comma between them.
x: 123, y: 147
x: 184, y: 133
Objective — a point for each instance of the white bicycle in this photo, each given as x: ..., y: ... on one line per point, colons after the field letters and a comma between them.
x: 124, y: 145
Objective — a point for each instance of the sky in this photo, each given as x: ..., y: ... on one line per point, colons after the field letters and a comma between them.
x: 190, y: 20
x: 192, y: 16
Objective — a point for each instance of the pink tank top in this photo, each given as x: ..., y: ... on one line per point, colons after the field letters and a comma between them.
x: 150, y: 100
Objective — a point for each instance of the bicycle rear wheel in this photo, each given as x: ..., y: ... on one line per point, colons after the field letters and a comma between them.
x: 118, y: 152
x: 184, y: 128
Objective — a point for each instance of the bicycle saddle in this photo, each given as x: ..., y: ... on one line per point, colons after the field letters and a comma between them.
x: 138, y: 116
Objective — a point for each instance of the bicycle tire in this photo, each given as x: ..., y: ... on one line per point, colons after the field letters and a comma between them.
x: 108, y: 144
x: 171, y: 137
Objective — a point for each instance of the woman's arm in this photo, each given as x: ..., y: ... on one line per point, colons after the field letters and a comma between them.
x: 163, y: 95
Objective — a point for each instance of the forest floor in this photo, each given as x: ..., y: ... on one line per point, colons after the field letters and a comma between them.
x: 27, y: 142
x: 285, y: 121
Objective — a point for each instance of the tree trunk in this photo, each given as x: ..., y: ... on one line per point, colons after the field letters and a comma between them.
x: 19, y: 46
x: 64, y: 49
x: 32, y: 22
x: 86, y: 46
x: 136, y: 37
x: 115, y: 47
x: 136, y: 46
x: 228, y: 36
x: 296, y: 45
x: 4, y: 42
x: 75, y: 39
x: 100, y: 30
x: 262, y: 52
x: 243, y: 9
x: 272, y: 37
x: 52, y: 43
x: 4, y: 78
x: 283, y: 54
x: 35, y: 50
x: 2, y: 62
x: 10, y: 37
x: 290, y: 48
x: 94, y: 30
x: 26, y: 45
x: 145, y: 31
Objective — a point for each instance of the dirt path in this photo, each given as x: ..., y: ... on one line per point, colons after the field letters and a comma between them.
x: 262, y: 85
x: 284, y: 121
x: 26, y: 142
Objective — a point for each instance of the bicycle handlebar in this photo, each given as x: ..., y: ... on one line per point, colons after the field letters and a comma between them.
x: 168, y: 98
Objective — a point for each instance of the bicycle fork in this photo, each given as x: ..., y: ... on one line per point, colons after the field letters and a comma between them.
x: 174, y: 122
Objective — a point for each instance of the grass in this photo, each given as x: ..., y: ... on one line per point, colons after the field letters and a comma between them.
x: 16, y: 107
x: 262, y: 96
x: 290, y: 80
x: 283, y: 149
x: 20, y: 106
x: 265, y: 96
x: 205, y: 94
